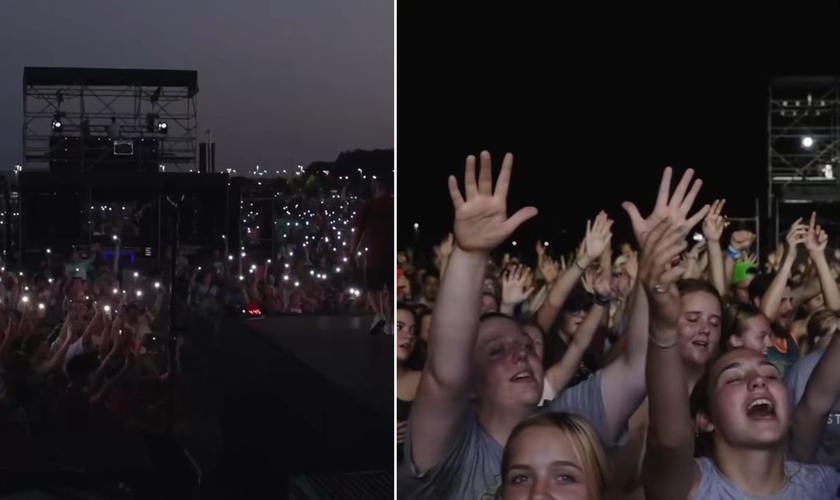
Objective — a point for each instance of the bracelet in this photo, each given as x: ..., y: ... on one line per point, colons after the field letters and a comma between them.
x: 602, y: 301
x: 660, y: 344
x: 577, y: 264
x: 732, y: 252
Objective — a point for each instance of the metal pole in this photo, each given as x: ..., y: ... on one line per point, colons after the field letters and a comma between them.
x: 211, y: 167
x: 173, y: 331
x: 758, y: 231
x: 778, y: 214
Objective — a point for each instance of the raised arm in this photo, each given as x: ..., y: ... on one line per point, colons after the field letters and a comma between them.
x: 623, y: 381
x: 773, y: 296
x: 481, y: 224
x: 594, y: 244
x: 713, y: 230
x: 669, y: 469
x: 561, y: 372
x: 816, y: 243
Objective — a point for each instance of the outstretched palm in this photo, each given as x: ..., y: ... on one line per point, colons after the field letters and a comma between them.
x: 481, y: 221
x: 675, y: 207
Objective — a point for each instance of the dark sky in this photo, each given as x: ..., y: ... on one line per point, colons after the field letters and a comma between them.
x: 593, y: 104
x: 281, y: 82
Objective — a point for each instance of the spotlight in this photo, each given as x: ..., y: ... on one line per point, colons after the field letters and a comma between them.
x: 161, y: 127
x: 807, y: 142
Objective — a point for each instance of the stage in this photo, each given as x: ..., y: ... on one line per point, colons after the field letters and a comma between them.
x: 340, y: 349
x: 290, y: 396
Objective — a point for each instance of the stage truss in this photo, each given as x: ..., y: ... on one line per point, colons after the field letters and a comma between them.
x: 803, y: 151
x: 87, y: 99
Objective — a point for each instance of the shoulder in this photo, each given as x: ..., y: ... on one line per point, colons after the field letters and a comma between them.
x: 821, y: 481
x: 804, y: 366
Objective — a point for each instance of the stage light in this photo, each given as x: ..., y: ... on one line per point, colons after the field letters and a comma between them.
x: 828, y: 171
x: 807, y: 142
x: 56, y: 124
x: 162, y: 127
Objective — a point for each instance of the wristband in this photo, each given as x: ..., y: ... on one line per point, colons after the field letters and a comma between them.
x: 602, y: 301
x: 732, y: 252
x: 577, y: 264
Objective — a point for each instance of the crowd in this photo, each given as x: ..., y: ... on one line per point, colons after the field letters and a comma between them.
x: 314, y: 269
x: 83, y: 347
x: 673, y: 369
x: 81, y: 352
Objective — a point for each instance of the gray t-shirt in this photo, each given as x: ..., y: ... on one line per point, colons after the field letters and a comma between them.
x: 472, y: 468
x: 805, y: 482
x: 828, y: 452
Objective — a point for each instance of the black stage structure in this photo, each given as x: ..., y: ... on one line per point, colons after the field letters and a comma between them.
x: 803, y: 153
x: 304, y: 404
x: 118, y: 119
x: 202, y: 213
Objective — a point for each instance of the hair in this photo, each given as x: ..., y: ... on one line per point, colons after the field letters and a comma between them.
x: 820, y: 324
x: 431, y: 273
x: 692, y: 285
x: 735, y: 322
x: 585, y: 443
x: 579, y: 300
x: 417, y: 359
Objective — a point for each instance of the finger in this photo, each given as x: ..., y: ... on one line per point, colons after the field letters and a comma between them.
x: 813, y: 219
x: 682, y: 187
x: 455, y: 193
x: 588, y: 229
x: 720, y: 206
x: 503, y: 182
x: 696, y: 218
x: 518, y: 218
x: 672, y: 240
x: 664, y: 190
x: 636, y: 218
x: 470, y: 186
x: 656, y: 234
x: 529, y: 291
x: 671, y: 276
x: 485, y: 175
x: 692, y: 195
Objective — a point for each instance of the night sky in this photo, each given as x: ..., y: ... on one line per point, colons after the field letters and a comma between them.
x: 281, y: 83
x: 593, y: 105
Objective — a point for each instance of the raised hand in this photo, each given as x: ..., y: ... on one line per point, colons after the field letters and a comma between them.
x: 659, y: 277
x: 597, y: 238
x: 713, y: 223
x: 481, y: 221
x: 749, y: 258
x: 540, y: 249
x: 797, y: 235
x: 675, y: 208
x: 601, y: 283
x: 697, y: 250
x: 816, y: 238
x: 516, y: 285
x: 549, y: 269
x: 447, y: 245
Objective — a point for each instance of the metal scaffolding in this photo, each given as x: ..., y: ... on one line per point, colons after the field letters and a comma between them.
x: 85, y: 100
x: 803, y: 150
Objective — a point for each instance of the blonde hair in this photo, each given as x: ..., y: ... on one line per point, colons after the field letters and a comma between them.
x: 585, y: 441
x: 820, y: 324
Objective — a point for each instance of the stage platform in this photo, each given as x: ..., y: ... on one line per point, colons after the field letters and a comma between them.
x: 289, y: 396
x: 340, y: 349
